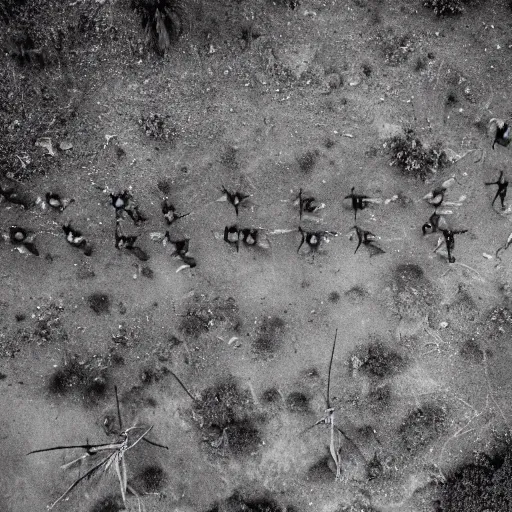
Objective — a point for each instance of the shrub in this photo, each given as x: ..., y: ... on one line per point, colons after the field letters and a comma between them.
x: 409, y: 154
x: 445, y: 7
x: 162, y: 21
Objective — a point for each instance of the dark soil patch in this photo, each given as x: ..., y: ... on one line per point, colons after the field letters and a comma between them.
x: 151, y: 479
x: 297, y: 402
x: 334, y: 297
x: 381, y: 361
x: 108, y: 504
x: 87, y: 378
x: 379, y: 397
x: 271, y: 396
x: 100, y: 303
x: 238, y: 503
x: 471, y: 351
x: 356, y: 295
x: 269, y: 336
x: 321, y: 471
x: 414, y: 296
x: 422, y: 426
x: 308, y: 160
x: 204, y: 314
x: 224, y: 414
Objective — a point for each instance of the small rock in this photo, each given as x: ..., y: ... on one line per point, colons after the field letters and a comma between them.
x: 443, y: 325
x: 65, y: 145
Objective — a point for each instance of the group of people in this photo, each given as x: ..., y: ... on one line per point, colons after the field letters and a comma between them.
x: 124, y: 207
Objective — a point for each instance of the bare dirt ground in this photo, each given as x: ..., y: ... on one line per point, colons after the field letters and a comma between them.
x: 420, y: 376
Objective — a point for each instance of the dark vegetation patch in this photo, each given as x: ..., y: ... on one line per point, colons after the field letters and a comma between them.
x: 230, y: 159
x: 395, y: 47
x: 85, y: 377
x: 471, y: 351
x: 204, y: 314
x: 269, y: 336
x: 152, y: 479
x: 334, y: 297
x: 379, y: 397
x: 445, y: 7
x: 321, y: 471
x: 484, y: 484
x: 164, y: 186
x: 147, y: 272
x: 307, y: 160
x: 271, y: 396
x: 451, y: 99
x: 380, y: 361
x: 367, y: 70
x: 49, y: 328
x: 357, y: 506
x: 108, y: 504
x: 238, y: 503
x: 414, y: 296
x: 420, y: 63
x: 414, y: 159
x: 3, y: 376
x: 329, y: 143
x: 162, y: 21
x: 357, y: 294
x: 225, y: 415
x: 100, y: 303
x: 297, y: 402
x: 422, y: 426
x: 155, y: 126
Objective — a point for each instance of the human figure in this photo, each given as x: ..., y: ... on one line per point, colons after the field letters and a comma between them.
x: 181, y: 250
x: 312, y: 239
x: 19, y: 236
x: 76, y: 239
x: 169, y: 212
x: 359, y: 202
x: 128, y: 242
x: 502, y: 135
x: 249, y: 236
x: 502, y: 189
x: 56, y: 202
x: 122, y: 202
x: 235, y: 198
x: 449, y: 240
x: 232, y: 236
x: 307, y: 204
x: 435, y: 222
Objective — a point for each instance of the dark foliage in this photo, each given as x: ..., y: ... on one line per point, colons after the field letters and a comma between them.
x: 445, y: 7
x: 151, y: 479
x: 381, y: 361
x: 412, y: 158
x: 334, y: 297
x: 297, y: 402
x: 483, y: 484
x: 162, y: 21
x: 271, y: 396
x: 308, y: 160
x: 108, y: 504
x: 422, y: 426
x: 100, y: 303
x: 83, y: 377
x: 269, y: 336
x: 223, y: 412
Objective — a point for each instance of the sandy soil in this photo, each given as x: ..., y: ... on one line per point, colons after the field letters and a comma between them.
x: 244, y: 118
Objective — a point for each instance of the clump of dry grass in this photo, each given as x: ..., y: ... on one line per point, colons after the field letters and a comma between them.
x: 414, y: 159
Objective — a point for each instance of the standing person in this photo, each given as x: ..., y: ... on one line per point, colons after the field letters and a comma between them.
x: 502, y: 189
x: 449, y: 240
x: 502, y: 135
